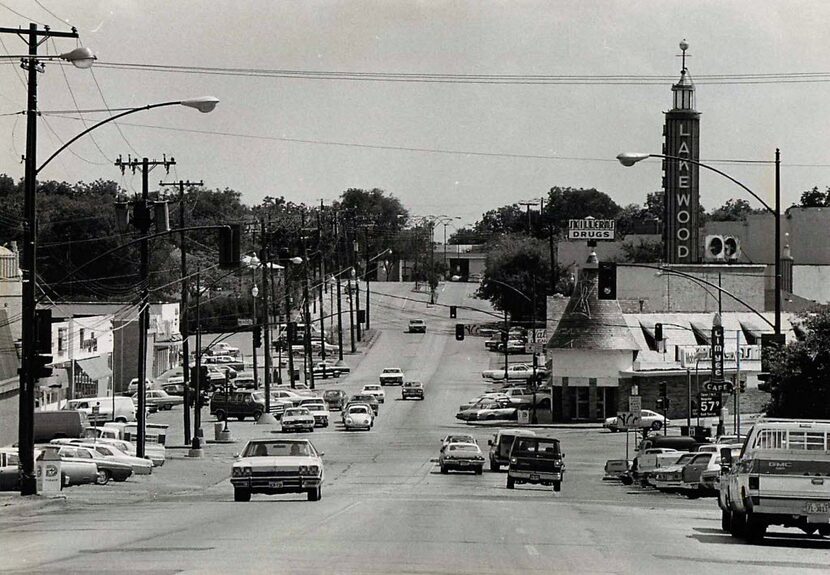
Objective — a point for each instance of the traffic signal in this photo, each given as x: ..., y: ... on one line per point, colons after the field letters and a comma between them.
x: 663, y: 403
x: 663, y: 389
x: 607, y: 280
x: 459, y: 331
x: 741, y: 385
x: 658, y: 332
x: 292, y: 333
x: 199, y: 376
x: 257, y: 336
x: 229, y: 246
x: 453, y: 311
x: 43, y: 344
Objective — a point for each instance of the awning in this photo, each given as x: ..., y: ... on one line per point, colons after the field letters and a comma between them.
x: 95, y: 368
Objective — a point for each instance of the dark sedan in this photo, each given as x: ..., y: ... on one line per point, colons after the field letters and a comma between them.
x: 335, y: 399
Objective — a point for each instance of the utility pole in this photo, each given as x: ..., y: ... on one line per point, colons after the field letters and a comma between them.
x: 28, y: 363
x: 143, y: 221
x: 322, y: 282
x: 289, y: 333
x: 265, y: 261
x: 183, y: 306
x: 431, y: 276
x: 308, y: 364
x: 366, y: 272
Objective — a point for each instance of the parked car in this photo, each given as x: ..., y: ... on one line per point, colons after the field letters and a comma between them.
x: 536, y: 460
x: 9, y: 469
x: 369, y: 400
x: 417, y: 326
x: 488, y: 409
x: 391, y: 376
x: 279, y: 404
x: 494, y: 395
x: 318, y: 410
x: 159, y: 399
x: 326, y: 369
x: 500, y: 445
x: 493, y: 342
x: 176, y: 389
x: 139, y: 465
x: 648, y: 420
x: 376, y: 390
x: 297, y: 419
x: 223, y: 348
x: 412, y: 389
x: 461, y: 457
x: 710, y: 477
x: 335, y: 399
x: 278, y: 466
x: 669, y: 478
x: 75, y: 469
x: 616, y: 469
x: 514, y: 371
x: 358, y: 416
x: 513, y: 346
x: 106, y: 468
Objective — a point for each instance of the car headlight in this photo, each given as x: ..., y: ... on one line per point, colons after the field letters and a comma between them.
x: 236, y: 471
x: 303, y: 469
x: 513, y: 460
x: 349, y: 420
x: 246, y: 471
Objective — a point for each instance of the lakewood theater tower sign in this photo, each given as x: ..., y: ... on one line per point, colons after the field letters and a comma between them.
x: 680, y: 178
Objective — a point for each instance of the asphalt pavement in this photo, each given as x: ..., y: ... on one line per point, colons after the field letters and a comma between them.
x: 386, y: 508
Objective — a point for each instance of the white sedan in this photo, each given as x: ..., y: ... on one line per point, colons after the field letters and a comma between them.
x: 358, y: 417
x: 140, y: 466
x: 648, y: 420
x: 277, y: 466
x: 375, y: 390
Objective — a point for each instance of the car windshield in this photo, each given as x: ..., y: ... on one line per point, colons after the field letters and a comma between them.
x: 276, y: 449
x: 315, y: 406
x: 357, y: 409
x: 296, y: 411
x: 332, y: 394
x: 391, y: 370
x: 531, y: 447
x: 412, y: 384
x: 362, y: 397
x: 460, y: 439
x: 371, y: 387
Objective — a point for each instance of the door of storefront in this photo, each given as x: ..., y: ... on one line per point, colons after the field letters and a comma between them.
x: 607, y: 401
x: 579, y: 403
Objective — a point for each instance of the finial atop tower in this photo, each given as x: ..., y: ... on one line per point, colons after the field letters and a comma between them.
x: 683, y: 47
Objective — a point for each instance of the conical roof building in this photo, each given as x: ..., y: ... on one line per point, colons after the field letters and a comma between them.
x: 590, y: 323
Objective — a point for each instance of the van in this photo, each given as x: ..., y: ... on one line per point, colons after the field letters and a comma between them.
x: 49, y: 425
x: 101, y: 409
x: 537, y: 460
x: 500, y: 445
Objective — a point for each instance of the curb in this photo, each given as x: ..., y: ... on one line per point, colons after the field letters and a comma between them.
x: 30, y: 503
x: 505, y: 423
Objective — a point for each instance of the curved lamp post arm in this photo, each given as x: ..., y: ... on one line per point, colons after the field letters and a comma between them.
x: 510, y: 287
x: 703, y: 281
x: 629, y: 159
x: 202, y: 104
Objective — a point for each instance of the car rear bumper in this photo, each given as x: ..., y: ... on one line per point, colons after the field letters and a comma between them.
x: 463, y: 463
x: 534, y: 476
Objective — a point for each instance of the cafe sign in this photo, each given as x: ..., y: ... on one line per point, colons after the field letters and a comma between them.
x: 689, y: 355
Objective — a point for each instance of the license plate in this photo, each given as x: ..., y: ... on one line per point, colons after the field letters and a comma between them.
x: 534, y: 477
x: 817, y: 507
x: 275, y: 484
x: 464, y: 463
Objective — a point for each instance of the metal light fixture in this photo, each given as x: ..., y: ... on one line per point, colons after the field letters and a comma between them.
x: 631, y: 158
x: 255, y: 291
x: 80, y: 57
x: 205, y: 104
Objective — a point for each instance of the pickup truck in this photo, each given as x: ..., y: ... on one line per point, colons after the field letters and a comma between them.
x: 515, y: 371
x: 391, y: 376
x: 780, y: 478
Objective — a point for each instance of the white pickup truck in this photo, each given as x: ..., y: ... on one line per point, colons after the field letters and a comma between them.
x: 781, y: 477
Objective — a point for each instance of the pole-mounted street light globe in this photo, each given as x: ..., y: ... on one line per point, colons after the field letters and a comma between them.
x: 630, y: 158
x: 80, y: 57
x: 255, y: 291
x: 204, y: 104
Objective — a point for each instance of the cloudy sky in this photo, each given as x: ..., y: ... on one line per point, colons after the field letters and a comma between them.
x: 454, y: 107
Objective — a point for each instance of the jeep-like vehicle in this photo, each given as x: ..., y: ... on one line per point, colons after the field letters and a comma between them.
x: 501, y: 443
x: 537, y: 460
x: 779, y: 478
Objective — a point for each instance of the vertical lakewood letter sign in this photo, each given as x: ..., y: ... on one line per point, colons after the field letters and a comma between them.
x: 681, y: 183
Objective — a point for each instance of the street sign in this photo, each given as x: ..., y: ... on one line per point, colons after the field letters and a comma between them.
x: 536, y: 347
x: 635, y: 403
x: 719, y: 386
x: 710, y: 403
x: 591, y: 229
x: 629, y: 420
x: 244, y: 321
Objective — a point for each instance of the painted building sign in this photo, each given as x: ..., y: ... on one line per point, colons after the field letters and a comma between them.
x: 591, y: 229
x: 681, y: 188
x: 690, y: 355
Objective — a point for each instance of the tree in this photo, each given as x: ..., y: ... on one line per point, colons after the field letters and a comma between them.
x: 642, y: 252
x: 734, y: 210
x: 576, y: 203
x: 466, y: 236
x: 799, y: 381
x: 815, y: 199
x: 522, y: 263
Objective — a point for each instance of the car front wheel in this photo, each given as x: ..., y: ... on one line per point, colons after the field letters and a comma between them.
x: 510, y: 482
x: 315, y: 494
x: 657, y: 425
x: 102, y: 477
x: 220, y: 415
x: 241, y: 494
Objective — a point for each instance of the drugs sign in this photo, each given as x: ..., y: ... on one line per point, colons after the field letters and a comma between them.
x: 591, y: 229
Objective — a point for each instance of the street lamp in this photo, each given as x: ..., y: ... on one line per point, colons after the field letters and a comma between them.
x: 629, y: 159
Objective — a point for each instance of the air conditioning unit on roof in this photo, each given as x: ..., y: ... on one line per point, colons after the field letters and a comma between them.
x: 719, y: 248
